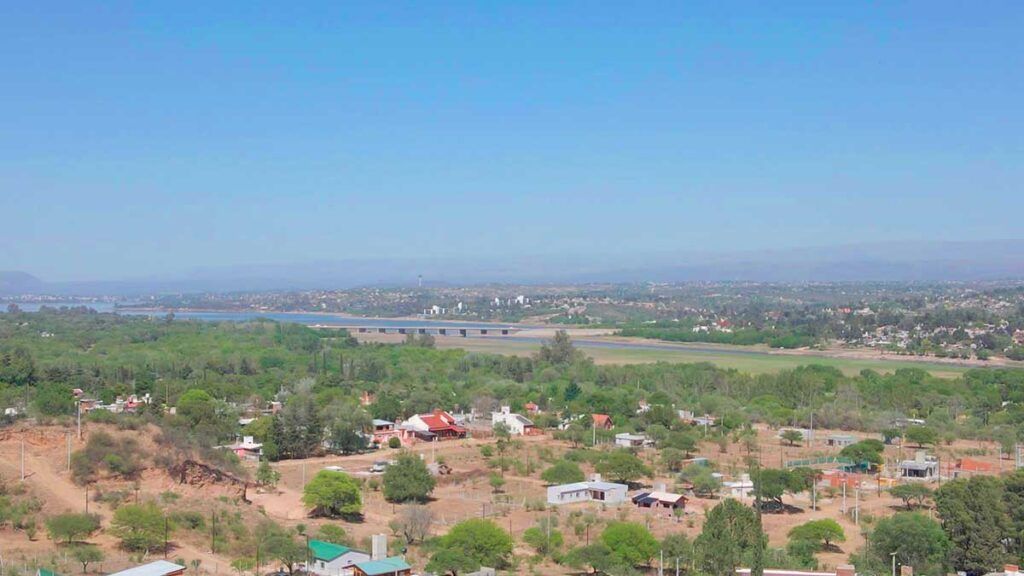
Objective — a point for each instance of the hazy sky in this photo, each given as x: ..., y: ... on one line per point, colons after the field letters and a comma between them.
x: 139, y: 139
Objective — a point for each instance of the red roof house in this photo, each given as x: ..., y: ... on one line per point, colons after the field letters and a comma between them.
x: 602, y: 421
x: 438, y: 424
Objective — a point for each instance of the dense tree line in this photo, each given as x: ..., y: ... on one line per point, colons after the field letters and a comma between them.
x: 213, y: 371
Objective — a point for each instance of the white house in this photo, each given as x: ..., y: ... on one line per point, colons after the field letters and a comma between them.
x: 627, y: 440
x: 517, y: 424
x: 739, y: 489
x: 247, y: 449
x: 592, y: 491
x: 327, y: 559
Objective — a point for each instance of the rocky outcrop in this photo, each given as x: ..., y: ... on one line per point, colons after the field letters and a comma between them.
x: 199, y: 475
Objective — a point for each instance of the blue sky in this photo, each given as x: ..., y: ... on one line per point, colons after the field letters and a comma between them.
x: 142, y: 139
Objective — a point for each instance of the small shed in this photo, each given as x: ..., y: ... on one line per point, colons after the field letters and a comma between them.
x: 660, y: 499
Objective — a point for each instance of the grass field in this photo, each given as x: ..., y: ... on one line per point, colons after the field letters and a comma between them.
x: 740, y: 358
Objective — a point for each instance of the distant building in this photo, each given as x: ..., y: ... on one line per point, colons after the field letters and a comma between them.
x: 531, y: 408
x: 904, y: 422
x: 627, y: 440
x: 739, y: 489
x: 247, y: 449
x: 591, y: 491
x: 517, y: 424
x: 393, y: 566
x: 329, y: 559
x: 157, y: 568
x: 844, y: 570
x: 603, y: 421
x: 1008, y: 570
x: 439, y: 425
x: 379, y: 563
x: 922, y: 467
x: 660, y: 499
x: 840, y: 440
x: 385, y: 430
x: 689, y: 417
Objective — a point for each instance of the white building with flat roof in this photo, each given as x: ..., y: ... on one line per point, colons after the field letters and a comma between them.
x: 517, y: 424
x: 591, y: 491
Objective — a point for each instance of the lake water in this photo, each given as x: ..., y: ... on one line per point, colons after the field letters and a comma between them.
x: 307, y: 318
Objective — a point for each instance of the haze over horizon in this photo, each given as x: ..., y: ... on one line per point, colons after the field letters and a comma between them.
x: 146, y: 142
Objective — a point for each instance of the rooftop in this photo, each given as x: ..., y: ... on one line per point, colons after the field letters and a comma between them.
x: 326, y: 551
x: 157, y: 568
x: 385, y: 566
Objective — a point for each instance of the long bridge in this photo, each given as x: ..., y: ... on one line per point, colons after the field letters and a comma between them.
x: 463, y: 331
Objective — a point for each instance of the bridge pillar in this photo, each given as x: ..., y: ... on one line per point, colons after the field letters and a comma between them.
x: 442, y: 331
x: 462, y: 332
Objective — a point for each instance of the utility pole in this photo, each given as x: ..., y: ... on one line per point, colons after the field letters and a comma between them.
x: 22, y: 459
x: 548, y: 528
x: 661, y: 564
x: 856, y: 497
x: 844, y: 495
x: 79, y: 405
x: 68, y: 438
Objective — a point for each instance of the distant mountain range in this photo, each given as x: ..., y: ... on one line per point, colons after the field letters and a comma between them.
x: 896, y: 262
x: 19, y: 283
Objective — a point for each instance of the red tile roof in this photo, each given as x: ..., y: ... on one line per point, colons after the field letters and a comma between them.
x: 440, y: 420
x: 602, y: 420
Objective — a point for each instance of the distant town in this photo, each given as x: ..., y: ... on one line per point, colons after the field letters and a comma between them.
x: 947, y: 320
